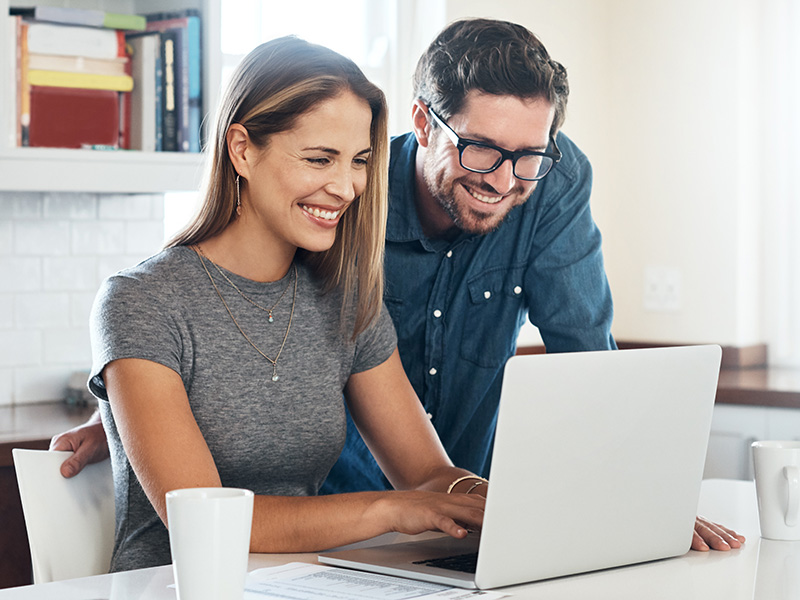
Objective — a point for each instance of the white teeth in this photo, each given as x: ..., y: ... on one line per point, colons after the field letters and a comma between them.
x: 484, y: 199
x: 328, y: 215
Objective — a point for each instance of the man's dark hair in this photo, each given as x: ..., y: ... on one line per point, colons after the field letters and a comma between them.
x: 494, y: 57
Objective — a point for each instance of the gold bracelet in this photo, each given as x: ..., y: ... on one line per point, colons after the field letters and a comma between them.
x: 476, y: 484
x: 464, y: 478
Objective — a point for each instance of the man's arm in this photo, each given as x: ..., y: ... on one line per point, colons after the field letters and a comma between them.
x: 712, y: 536
x: 569, y: 297
x: 87, y: 442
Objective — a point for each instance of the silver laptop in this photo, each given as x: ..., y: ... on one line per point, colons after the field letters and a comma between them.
x: 597, y: 463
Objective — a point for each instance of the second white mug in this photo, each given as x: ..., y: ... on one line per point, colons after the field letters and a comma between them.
x: 777, y: 475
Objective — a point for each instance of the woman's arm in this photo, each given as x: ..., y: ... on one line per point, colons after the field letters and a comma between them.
x: 167, y: 451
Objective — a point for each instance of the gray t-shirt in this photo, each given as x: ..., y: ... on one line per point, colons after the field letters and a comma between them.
x: 273, y: 437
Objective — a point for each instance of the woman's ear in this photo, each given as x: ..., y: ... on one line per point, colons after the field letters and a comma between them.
x: 238, y: 141
x: 420, y: 122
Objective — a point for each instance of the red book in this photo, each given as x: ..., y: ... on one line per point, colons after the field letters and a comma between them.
x: 74, y: 117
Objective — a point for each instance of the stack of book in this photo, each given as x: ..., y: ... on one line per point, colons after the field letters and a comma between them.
x: 90, y: 79
x: 73, y: 72
x: 168, y: 58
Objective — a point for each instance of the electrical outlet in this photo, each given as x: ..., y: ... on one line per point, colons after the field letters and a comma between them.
x: 662, y: 289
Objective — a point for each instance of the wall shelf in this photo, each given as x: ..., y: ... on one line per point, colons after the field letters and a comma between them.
x: 113, y: 171
x: 120, y: 171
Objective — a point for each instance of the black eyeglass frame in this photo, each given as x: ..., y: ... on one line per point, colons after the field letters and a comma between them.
x: 462, y: 144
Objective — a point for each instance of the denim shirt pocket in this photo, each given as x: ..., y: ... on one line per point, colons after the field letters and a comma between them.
x: 396, y: 309
x: 493, y: 316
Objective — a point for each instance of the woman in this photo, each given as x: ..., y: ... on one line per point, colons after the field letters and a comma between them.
x: 223, y: 359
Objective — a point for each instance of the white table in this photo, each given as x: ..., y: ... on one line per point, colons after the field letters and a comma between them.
x: 761, y: 570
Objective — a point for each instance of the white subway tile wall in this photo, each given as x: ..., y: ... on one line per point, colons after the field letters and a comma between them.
x: 6, y: 310
x: 6, y: 382
x: 5, y: 238
x: 55, y: 249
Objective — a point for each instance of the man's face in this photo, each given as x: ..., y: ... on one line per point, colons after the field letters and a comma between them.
x: 478, y: 202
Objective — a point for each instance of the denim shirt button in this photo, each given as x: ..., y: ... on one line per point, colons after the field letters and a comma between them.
x: 432, y: 371
x: 430, y: 416
x: 487, y: 294
x: 517, y: 290
x: 449, y: 253
x: 437, y: 313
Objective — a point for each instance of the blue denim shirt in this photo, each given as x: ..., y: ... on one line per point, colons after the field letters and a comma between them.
x: 458, y: 305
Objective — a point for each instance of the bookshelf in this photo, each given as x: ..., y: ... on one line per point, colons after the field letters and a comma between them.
x: 101, y: 171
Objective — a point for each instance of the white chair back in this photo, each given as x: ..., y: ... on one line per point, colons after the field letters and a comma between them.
x: 70, y: 522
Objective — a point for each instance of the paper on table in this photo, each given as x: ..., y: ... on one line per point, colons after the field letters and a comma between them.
x: 301, y: 581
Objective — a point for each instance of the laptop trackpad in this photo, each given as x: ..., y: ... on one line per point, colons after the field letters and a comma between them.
x: 435, y: 560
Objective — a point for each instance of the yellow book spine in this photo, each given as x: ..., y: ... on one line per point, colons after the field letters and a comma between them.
x: 117, y: 83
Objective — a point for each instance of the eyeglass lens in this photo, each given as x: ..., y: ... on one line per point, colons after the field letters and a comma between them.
x: 483, y: 158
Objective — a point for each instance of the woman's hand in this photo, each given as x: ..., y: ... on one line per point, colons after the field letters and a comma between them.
x: 416, y: 512
x: 711, y: 536
x: 87, y: 442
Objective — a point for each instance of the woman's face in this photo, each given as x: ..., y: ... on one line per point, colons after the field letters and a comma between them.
x: 306, y: 177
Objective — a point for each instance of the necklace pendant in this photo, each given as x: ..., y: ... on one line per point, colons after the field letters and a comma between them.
x: 269, y: 318
x: 275, y: 373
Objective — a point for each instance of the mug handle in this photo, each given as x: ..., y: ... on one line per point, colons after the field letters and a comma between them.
x: 792, y: 475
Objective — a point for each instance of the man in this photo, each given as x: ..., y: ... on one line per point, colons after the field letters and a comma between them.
x: 489, y: 221
x: 484, y: 227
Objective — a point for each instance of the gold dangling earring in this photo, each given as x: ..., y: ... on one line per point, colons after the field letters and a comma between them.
x: 238, y: 198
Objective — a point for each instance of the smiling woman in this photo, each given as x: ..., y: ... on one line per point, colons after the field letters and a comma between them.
x: 294, y: 190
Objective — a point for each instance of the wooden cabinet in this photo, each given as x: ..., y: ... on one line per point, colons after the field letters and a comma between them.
x: 50, y: 169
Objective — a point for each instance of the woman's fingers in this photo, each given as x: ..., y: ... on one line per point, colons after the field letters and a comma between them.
x: 453, y: 514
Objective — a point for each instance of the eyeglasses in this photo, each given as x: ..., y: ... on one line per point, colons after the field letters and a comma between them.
x: 480, y: 157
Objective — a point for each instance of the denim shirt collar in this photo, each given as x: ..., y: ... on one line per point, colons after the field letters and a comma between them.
x: 403, y: 224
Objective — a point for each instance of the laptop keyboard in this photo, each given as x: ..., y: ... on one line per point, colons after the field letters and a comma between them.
x: 466, y: 563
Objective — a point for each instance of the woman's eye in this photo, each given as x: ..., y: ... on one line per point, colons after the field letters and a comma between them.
x: 361, y: 161
x: 319, y: 161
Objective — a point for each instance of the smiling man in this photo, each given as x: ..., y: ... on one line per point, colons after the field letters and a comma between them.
x: 489, y: 223
x: 497, y: 179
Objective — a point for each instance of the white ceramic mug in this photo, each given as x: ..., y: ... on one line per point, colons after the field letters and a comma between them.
x: 209, y: 537
x: 777, y: 474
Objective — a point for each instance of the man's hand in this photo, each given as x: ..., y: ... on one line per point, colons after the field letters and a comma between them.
x: 87, y: 441
x: 711, y: 536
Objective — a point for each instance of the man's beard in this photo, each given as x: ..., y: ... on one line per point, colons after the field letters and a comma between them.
x: 465, y: 218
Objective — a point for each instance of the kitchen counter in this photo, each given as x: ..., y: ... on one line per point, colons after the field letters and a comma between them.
x: 33, y: 423
x: 772, y: 387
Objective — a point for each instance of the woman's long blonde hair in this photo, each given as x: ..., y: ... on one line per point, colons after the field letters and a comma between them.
x: 274, y: 85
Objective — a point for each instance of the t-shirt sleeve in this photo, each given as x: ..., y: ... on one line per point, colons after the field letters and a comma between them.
x: 376, y: 344
x: 128, y: 321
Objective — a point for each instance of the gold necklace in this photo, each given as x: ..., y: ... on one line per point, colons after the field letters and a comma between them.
x: 273, y: 362
x: 242, y: 294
